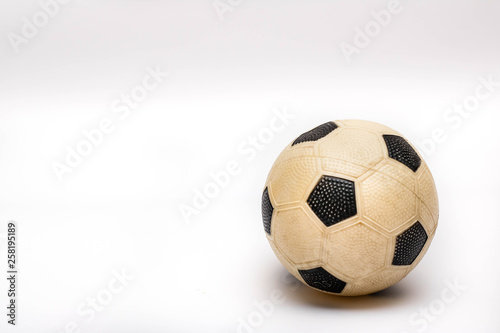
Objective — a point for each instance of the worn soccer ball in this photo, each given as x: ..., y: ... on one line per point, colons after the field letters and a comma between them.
x: 350, y: 207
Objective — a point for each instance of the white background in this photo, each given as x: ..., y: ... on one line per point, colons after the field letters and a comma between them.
x: 120, y: 208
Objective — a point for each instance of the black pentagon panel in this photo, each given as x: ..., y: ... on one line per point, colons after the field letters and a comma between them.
x: 333, y: 200
x: 267, y: 211
x: 322, y: 280
x: 316, y: 133
x: 400, y: 150
x: 409, y: 244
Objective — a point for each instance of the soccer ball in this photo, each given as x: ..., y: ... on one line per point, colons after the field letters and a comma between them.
x: 350, y: 207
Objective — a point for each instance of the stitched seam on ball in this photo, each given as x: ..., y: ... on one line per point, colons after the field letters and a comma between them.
x: 325, y: 173
x: 375, y: 170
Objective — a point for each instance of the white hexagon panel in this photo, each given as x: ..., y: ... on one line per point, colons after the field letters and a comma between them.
x: 297, y: 236
x: 357, y: 250
x: 386, y: 201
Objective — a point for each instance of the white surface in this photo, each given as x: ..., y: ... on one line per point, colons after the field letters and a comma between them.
x: 120, y: 208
